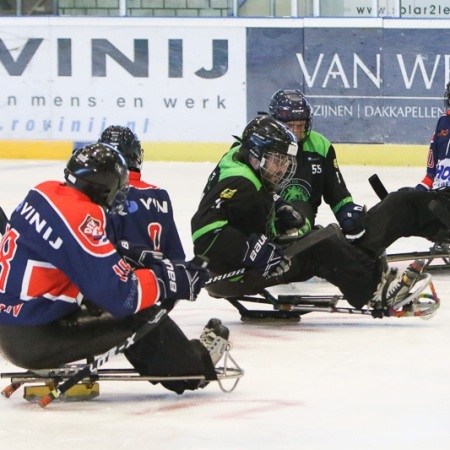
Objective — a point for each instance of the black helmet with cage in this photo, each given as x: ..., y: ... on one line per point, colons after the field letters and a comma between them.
x: 289, y: 105
x: 99, y: 171
x: 270, y: 148
x: 126, y: 141
x: 447, y: 97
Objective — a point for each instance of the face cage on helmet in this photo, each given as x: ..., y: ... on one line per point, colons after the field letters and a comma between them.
x: 277, y: 170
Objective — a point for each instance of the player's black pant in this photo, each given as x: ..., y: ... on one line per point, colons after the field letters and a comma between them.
x: 355, y: 273
x: 163, y: 351
x: 403, y: 214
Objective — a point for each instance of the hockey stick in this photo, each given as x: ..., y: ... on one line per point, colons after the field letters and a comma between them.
x: 226, y: 276
x: 312, y: 238
x: 298, y: 245
x: 159, y: 314
x: 378, y: 186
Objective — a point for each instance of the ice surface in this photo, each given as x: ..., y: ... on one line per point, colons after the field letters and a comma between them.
x: 329, y: 382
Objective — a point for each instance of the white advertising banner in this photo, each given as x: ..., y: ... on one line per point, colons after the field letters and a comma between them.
x: 68, y: 78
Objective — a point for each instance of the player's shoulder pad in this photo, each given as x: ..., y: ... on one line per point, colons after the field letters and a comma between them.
x: 317, y: 143
x: 82, y: 218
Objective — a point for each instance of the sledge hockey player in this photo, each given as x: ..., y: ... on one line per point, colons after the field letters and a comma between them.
x: 437, y: 172
x: 147, y: 217
x: 317, y: 176
x: 240, y: 215
x: 146, y: 221
x: 55, y: 251
x: 406, y: 212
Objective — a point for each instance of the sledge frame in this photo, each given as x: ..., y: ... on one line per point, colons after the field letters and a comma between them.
x: 290, y: 307
x: 439, y: 252
x: 39, y: 382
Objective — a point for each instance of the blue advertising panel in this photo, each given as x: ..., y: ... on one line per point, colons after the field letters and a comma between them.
x: 416, y: 70
x: 271, y: 64
x: 366, y: 85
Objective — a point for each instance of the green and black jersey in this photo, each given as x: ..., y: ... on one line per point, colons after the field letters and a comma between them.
x: 317, y: 176
x: 233, y: 206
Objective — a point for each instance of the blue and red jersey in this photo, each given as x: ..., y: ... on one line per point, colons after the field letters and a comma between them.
x: 55, y: 251
x: 438, y: 160
x: 147, y: 219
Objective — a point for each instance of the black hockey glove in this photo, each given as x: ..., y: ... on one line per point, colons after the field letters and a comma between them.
x: 265, y: 256
x: 351, y: 220
x: 287, y: 219
x: 179, y: 280
x: 138, y: 255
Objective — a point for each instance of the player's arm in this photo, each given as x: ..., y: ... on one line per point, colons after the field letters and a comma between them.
x: 427, y: 182
x: 350, y: 215
x: 106, y: 279
x: 235, y: 234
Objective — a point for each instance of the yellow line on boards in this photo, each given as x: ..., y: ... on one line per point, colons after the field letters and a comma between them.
x: 347, y: 154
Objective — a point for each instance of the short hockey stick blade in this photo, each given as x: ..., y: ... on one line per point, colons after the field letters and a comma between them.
x: 378, y: 186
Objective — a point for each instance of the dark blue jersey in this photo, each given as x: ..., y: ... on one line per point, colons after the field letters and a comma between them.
x: 147, y: 219
x: 55, y: 251
x: 438, y: 160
